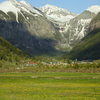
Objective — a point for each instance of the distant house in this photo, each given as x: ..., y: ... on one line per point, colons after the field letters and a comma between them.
x: 31, y: 63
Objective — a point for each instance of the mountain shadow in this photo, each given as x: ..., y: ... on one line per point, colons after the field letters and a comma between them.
x: 10, y: 53
x: 18, y: 35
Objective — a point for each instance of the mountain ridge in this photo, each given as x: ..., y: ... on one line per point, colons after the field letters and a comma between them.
x: 89, y: 47
x: 75, y: 28
x: 32, y: 30
x: 94, y: 9
x: 56, y: 13
x: 29, y: 32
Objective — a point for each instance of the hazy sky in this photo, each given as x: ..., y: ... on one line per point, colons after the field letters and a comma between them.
x: 76, y: 6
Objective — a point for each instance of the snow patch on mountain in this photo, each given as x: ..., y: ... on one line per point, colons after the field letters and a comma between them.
x: 29, y: 7
x: 60, y: 18
x: 9, y: 6
x: 94, y: 9
x: 50, y: 8
x: 72, y: 27
x: 57, y: 14
x: 16, y: 7
x: 83, y: 22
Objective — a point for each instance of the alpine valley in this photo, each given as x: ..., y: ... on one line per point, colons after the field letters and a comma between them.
x: 49, y: 53
x: 48, y: 30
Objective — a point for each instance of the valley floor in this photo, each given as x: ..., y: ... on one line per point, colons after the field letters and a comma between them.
x: 49, y: 86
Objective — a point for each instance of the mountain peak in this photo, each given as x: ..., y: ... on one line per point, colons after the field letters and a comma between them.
x: 9, y: 5
x: 55, y: 13
x: 52, y: 8
x: 15, y: 7
x: 25, y: 3
x: 94, y: 9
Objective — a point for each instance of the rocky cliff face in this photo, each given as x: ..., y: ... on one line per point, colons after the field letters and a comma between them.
x: 26, y: 27
x: 44, y: 30
x: 95, y: 23
x: 78, y: 27
x: 72, y: 27
x: 89, y: 47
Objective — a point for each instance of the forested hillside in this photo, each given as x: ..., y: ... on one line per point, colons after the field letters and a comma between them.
x: 8, y: 52
x: 89, y: 47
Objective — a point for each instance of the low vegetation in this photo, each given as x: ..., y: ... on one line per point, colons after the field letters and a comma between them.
x: 10, y: 55
x: 46, y: 78
x: 50, y: 86
x: 50, y: 64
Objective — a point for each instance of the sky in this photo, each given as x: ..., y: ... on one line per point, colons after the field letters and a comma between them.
x: 76, y: 6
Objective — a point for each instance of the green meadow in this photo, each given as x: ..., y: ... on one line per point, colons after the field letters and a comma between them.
x: 49, y: 86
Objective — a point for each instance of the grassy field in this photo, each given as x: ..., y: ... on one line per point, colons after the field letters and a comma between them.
x: 50, y: 86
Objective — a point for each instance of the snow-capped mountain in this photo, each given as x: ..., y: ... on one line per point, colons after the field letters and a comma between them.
x: 26, y: 27
x: 73, y: 27
x: 94, y: 9
x: 60, y: 18
x: 54, y: 13
x: 43, y: 30
x: 89, y: 47
x: 79, y: 26
x: 17, y: 7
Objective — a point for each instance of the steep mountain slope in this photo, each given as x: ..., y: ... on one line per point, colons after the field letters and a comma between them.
x: 47, y: 32
x: 57, y: 14
x: 60, y: 18
x: 8, y: 52
x: 78, y: 27
x: 72, y: 27
x: 95, y: 23
x: 94, y: 9
x: 89, y: 47
x: 26, y: 27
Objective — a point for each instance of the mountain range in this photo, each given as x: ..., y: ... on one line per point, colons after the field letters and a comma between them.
x: 73, y: 27
x: 89, y: 47
x: 45, y: 30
